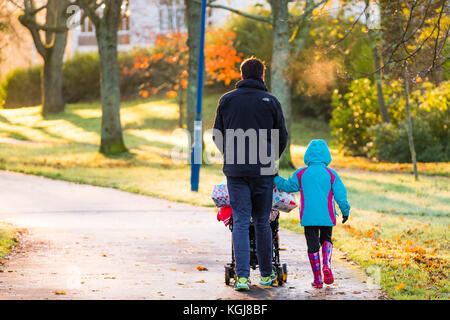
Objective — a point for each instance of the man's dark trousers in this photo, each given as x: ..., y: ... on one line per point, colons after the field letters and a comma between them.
x: 251, y: 197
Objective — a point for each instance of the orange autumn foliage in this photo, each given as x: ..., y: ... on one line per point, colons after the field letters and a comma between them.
x: 221, y: 57
x: 170, y: 53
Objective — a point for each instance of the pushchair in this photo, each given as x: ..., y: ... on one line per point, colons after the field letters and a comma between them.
x: 280, y: 269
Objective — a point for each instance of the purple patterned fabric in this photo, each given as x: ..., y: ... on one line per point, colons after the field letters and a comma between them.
x: 283, y: 201
x: 326, y: 254
x: 220, y: 195
x: 314, y: 259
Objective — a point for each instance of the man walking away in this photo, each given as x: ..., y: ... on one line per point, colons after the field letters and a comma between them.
x: 250, y: 132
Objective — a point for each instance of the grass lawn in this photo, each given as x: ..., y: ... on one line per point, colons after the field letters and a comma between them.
x: 398, y: 227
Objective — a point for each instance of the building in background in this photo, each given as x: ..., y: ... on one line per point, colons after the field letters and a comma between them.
x: 144, y: 19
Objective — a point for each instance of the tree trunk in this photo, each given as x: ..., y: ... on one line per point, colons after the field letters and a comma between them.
x: 193, y: 12
x: 52, y: 77
x: 280, y: 86
x: 409, y: 127
x: 377, y: 75
x: 111, y: 130
x: 52, y: 52
x: 180, y: 109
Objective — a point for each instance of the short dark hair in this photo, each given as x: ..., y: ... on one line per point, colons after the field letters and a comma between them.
x: 252, y: 68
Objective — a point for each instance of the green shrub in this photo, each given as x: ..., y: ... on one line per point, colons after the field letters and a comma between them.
x: 390, y: 143
x: 81, y: 82
x: 250, y: 35
x: 356, y: 122
x: 22, y: 87
x: 354, y: 112
x: 433, y: 108
x: 81, y: 78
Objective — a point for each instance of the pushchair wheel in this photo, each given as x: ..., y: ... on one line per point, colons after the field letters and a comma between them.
x: 229, y: 274
x: 285, y: 272
x: 280, y: 278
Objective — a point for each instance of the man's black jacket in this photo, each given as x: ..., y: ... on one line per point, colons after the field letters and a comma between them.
x: 249, y: 106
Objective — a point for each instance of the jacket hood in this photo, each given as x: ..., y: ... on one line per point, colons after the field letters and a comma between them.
x: 252, y: 83
x: 317, y: 152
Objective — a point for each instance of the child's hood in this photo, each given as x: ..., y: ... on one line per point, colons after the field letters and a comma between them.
x: 317, y: 152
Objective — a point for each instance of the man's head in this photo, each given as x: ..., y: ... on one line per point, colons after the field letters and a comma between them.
x: 252, y: 68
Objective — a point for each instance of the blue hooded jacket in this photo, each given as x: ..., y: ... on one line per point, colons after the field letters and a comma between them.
x: 319, y: 187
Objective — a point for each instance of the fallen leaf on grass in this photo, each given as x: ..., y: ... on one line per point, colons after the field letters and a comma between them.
x: 59, y: 292
x: 200, y: 268
x: 400, y: 286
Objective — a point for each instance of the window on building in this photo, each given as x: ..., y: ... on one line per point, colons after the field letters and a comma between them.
x: 88, y: 27
x: 125, y: 23
x: 171, y: 15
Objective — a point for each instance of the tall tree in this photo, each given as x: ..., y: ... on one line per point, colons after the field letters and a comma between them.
x: 51, y: 48
x: 414, y: 39
x: 284, y: 25
x: 193, y: 13
x: 106, y: 16
x: 416, y: 34
x: 374, y: 39
x: 280, y: 86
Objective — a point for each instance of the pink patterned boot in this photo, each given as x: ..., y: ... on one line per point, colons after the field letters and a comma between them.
x: 326, y: 256
x: 314, y: 259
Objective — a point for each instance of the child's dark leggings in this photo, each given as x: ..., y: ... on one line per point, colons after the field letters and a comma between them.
x: 316, y: 236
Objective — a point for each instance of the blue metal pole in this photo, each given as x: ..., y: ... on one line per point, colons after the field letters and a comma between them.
x: 196, y: 156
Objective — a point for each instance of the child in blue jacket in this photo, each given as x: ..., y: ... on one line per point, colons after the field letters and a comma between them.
x: 319, y: 188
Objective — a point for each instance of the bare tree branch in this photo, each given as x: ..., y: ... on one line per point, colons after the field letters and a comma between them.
x: 90, y: 11
x: 310, y: 6
x: 242, y: 13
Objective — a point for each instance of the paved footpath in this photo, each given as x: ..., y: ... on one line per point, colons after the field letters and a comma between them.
x: 87, y: 242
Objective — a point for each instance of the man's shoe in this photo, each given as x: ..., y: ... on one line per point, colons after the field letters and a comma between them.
x: 242, y: 284
x: 267, y: 281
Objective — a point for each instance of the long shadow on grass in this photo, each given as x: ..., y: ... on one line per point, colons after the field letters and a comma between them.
x: 381, y: 203
x: 4, y: 119
x: 392, y: 187
x: 94, y: 124
x: 153, y: 123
